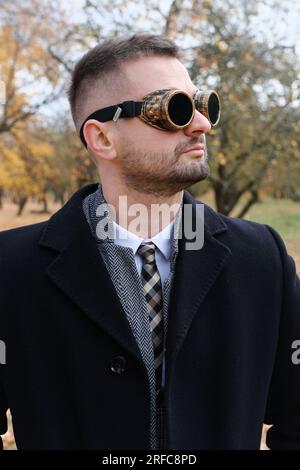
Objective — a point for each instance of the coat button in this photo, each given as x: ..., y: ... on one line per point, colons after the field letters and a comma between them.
x: 117, y: 364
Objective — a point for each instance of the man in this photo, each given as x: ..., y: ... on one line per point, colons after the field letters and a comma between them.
x: 127, y: 337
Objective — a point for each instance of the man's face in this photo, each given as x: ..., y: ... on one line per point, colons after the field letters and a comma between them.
x: 152, y: 160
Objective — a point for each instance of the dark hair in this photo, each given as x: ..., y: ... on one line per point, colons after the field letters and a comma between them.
x: 107, y: 57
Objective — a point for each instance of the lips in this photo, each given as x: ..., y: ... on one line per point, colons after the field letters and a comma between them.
x: 196, y: 147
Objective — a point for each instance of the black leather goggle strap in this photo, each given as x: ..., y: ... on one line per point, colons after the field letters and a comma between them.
x: 128, y: 109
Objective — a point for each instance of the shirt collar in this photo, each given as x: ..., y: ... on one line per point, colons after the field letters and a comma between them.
x: 128, y: 239
x: 167, y: 245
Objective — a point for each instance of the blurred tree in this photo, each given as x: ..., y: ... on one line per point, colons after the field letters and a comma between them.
x: 255, y: 82
x: 283, y: 175
x: 26, y: 165
x: 36, y: 161
x: 73, y: 164
x: 226, y: 47
x: 32, y: 77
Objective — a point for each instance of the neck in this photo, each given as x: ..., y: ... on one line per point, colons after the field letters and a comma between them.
x: 143, y: 214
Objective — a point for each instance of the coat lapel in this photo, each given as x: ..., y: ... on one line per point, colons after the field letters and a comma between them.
x: 79, y: 271
x: 195, y: 274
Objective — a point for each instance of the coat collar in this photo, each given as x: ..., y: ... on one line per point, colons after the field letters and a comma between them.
x: 79, y: 271
x: 57, y: 234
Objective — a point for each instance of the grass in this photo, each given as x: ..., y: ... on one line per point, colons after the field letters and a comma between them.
x: 281, y: 214
x: 287, y: 225
x: 284, y: 216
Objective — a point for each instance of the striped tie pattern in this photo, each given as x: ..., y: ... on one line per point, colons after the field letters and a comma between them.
x: 151, y: 282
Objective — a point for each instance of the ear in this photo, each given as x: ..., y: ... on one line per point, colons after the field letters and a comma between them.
x: 99, y: 139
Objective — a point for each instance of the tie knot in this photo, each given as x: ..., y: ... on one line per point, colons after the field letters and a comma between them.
x: 147, y: 251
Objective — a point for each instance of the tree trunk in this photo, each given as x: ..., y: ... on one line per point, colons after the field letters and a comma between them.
x: 21, y: 204
x: 253, y: 199
x: 45, y: 209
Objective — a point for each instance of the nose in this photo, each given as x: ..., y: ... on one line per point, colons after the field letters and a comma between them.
x: 199, y: 125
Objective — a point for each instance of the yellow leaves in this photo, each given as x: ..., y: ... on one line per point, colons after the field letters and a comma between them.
x: 24, y: 164
x: 221, y: 159
x: 202, y: 15
x: 231, y: 97
x: 26, y: 65
x: 248, y: 57
x: 220, y: 43
x: 12, y: 168
x: 35, y: 160
x: 16, y: 103
x: 42, y: 149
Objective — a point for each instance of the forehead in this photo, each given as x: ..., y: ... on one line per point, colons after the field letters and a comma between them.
x: 148, y: 74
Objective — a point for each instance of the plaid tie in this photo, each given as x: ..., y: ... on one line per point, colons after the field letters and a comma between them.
x: 153, y: 292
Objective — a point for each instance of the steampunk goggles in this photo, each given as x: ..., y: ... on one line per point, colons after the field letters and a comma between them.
x: 168, y: 109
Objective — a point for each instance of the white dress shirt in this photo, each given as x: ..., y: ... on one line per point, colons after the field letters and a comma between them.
x: 162, y: 241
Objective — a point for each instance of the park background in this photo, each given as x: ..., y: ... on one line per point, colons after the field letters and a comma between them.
x: 247, y: 50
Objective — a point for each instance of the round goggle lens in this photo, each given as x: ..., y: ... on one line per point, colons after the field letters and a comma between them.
x: 180, y: 109
x: 213, y: 108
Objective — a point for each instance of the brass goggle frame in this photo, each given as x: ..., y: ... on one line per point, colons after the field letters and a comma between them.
x: 167, y: 109
x: 157, y: 106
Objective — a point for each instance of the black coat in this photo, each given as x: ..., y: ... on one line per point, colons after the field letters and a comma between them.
x: 74, y: 378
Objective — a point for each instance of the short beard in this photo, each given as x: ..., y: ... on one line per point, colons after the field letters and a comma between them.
x: 162, y: 174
